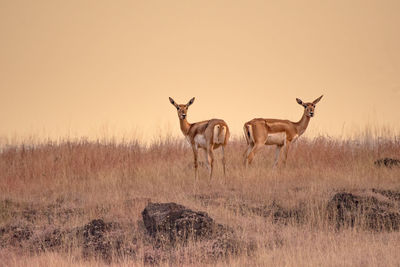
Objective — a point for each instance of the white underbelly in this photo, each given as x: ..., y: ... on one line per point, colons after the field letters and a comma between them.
x: 276, y: 139
x: 200, y: 141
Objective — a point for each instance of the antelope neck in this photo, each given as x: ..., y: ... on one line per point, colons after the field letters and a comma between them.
x: 302, y: 124
x: 185, y: 126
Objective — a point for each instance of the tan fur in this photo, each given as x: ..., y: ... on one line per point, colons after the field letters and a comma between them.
x: 220, y: 134
x: 215, y: 132
x: 276, y: 132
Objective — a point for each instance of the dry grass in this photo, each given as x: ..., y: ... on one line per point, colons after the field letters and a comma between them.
x: 64, y: 185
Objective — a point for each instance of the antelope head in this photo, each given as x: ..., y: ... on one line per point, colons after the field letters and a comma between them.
x: 309, y: 108
x: 182, y: 109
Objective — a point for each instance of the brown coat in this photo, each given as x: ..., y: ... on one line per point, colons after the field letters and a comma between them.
x: 260, y: 132
x: 207, y: 135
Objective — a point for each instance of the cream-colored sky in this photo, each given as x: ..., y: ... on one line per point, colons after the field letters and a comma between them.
x: 93, y: 68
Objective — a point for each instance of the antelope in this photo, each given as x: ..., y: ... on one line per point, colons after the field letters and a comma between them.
x: 282, y: 133
x: 207, y: 135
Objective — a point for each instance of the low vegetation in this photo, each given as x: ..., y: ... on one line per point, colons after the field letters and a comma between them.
x: 80, y: 203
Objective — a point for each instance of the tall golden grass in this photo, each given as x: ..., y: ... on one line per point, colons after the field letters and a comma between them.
x: 114, y: 180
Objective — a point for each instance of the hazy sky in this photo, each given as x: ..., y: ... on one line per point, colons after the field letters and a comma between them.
x: 93, y: 68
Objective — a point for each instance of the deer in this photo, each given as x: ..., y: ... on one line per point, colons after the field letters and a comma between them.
x: 206, y: 135
x: 282, y: 133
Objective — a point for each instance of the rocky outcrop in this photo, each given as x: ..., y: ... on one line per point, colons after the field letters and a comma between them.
x: 171, y: 223
x: 387, y: 162
x: 350, y: 210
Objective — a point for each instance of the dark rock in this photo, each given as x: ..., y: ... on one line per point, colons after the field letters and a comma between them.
x: 106, y: 240
x: 51, y: 240
x: 349, y: 210
x: 41, y: 228
x: 387, y: 162
x: 172, y: 222
x: 169, y: 223
x: 21, y: 233
x: 95, y: 242
x: 15, y: 234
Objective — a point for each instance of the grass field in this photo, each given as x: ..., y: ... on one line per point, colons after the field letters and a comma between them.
x: 53, y: 188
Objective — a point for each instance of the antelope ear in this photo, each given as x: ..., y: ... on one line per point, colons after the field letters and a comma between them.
x: 190, y: 102
x: 300, y: 102
x: 317, y: 100
x: 173, y: 102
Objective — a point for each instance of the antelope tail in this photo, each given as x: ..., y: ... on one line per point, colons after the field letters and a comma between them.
x: 221, y: 134
x: 248, y: 133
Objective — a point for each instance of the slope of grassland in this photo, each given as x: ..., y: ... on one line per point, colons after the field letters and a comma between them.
x: 79, y: 203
